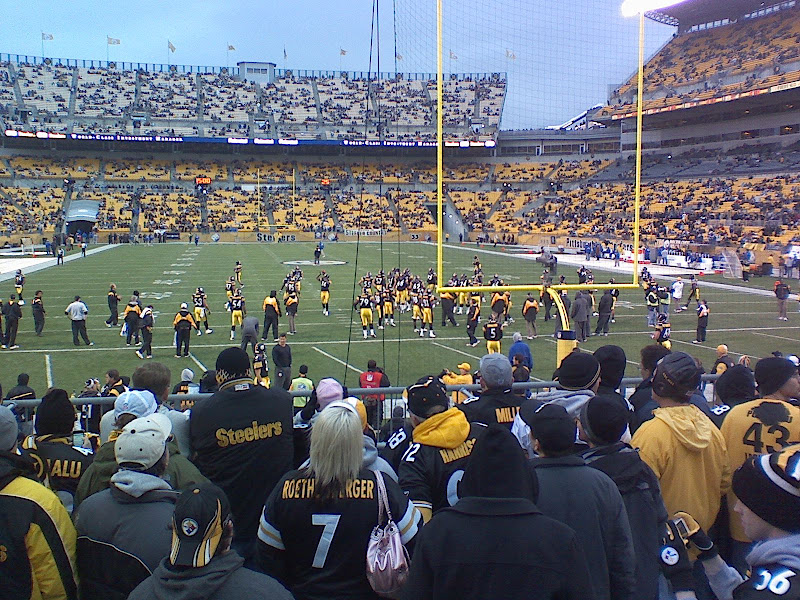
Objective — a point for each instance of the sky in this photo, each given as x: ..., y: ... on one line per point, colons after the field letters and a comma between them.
x: 560, y: 57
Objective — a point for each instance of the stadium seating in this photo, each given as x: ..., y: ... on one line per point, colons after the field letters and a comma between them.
x: 523, y: 171
x: 253, y: 171
x: 140, y: 169
x: 364, y: 211
x: 413, y: 212
x: 104, y: 92
x: 47, y: 168
x: 168, y: 95
x: 45, y: 88
x: 187, y: 171
x: 227, y: 99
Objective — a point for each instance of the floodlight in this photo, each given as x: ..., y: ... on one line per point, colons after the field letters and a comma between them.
x: 631, y: 8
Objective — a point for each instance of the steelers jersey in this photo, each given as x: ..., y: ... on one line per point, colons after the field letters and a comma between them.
x: 229, y: 287
x: 325, y: 285
x: 431, y: 476
x: 236, y: 303
x: 260, y: 366
x: 493, y: 332
x: 323, y: 543
x: 425, y: 303
x: 663, y: 332
x: 379, y: 281
x: 59, y: 464
x: 19, y: 280
x: 199, y: 300
x: 291, y: 287
x: 364, y: 302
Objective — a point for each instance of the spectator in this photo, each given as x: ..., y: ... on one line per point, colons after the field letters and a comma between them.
x: 77, y: 312
x: 759, y: 426
x: 282, y: 358
x: 682, y: 446
x: 605, y: 308
x: 443, y: 441
x: 782, y: 292
x: 641, y: 397
x: 374, y: 377
x: 603, y: 422
x: 186, y: 385
x: 242, y: 437
x: 579, y: 313
x: 205, y: 566
x: 723, y: 362
x: 497, y: 402
x: 336, y: 484
x: 13, y: 313
x: 463, y: 377
x: 124, y: 530
x: 21, y: 391
x: 586, y: 500
x: 208, y: 382
x: 130, y: 405
x: 59, y: 464
x: 36, y: 533
x: 768, y: 507
x: 519, y: 372
x: 301, y: 383
x: 735, y: 386
x: 612, y: 361
x: 520, y: 347
x: 395, y: 424
x: 540, y: 558
x: 578, y: 379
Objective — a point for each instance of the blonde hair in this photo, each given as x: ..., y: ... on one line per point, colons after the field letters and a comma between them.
x: 336, y: 450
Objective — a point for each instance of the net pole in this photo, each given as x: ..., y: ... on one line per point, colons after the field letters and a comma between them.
x: 637, y: 197
x: 439, y: 142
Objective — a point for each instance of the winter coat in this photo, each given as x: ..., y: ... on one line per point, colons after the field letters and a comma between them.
x: 586, y: 500
x: 646, y: 511
x: 580, y: 309
x: 644, y: 405
x: 572, y: 401
x: 688, y: 455
x: 605, y: 304
x: 123, y: 533
x: 221, y: 579
x: 180, y: 471
x: 522, y: 348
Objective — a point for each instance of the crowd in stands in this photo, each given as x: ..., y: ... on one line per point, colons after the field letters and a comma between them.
x: 570, y: 493
x: 106, y: 100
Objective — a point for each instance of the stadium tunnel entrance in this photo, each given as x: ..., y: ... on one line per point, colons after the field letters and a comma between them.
x: 74, y: 227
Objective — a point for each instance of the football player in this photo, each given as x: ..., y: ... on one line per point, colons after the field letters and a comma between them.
x: 237, y: 307
x: 324, y: 292
x: 201, y: 310
x: 19, y: 283
x: 364, y: 305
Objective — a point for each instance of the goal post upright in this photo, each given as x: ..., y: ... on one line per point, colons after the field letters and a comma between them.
x: 439, y: 145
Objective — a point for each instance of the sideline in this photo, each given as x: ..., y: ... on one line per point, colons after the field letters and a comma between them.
x: 8, y: 267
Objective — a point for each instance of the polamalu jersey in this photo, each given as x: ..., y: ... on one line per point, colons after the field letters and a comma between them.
x: 59, y: 464
x: 260, y: 366
x: 323, y: 543
x: 493, y: 332
x: 19, y: 280
x: 431, y: 476
x: 199, y: 300
x: 237, y: 303
x: 364, y: 302
x: 663, y: 331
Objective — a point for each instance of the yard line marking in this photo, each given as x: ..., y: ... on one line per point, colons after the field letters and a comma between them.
x: 777, y: 337
x: 341, y: 362
x: 197, y: 362
x: 49, y: 369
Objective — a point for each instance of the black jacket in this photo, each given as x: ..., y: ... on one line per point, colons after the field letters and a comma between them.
x: 243, y: 441
x: 493, y: 406
x: 282, y: 356
x: 497, y: 548
x: 646, y: 512
x: 588, y: 501
x: 605, y: 303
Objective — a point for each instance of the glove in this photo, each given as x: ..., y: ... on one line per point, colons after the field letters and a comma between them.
x: 698, y: 538
x: 674, y: 559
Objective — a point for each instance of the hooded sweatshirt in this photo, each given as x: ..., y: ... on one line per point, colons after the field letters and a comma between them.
x: 767, y: 559
x: 221, y: 579
x: 572, y: 401
x: 688, y: 456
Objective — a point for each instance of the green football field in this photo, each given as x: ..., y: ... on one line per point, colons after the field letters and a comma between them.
x: 167, y: 274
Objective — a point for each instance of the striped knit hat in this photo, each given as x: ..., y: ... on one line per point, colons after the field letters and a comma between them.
x: 769, y: 485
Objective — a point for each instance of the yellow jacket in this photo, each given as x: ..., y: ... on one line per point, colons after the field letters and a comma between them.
x: 757, y: 427
x: 456, y: 379
x: 687, y: 453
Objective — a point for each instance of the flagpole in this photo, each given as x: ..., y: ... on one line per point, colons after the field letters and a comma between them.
x: 107, y: 45
x: 42, y: 45
x: 228, y: 56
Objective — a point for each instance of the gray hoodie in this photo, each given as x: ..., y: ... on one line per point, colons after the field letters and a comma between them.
x: 572, y: 401
x: 783, y: 551
x: 221, y: 579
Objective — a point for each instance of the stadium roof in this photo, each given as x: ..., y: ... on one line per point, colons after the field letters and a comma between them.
x: 696, y: 12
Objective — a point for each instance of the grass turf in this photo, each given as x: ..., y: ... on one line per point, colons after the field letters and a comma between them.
x: 168, y: 274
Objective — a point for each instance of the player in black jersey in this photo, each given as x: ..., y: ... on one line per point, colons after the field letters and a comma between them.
x: 19, y: 284
x: 230, y: 287
x: 324, y: 292
x: 260, y: 365
x: 237, y: 307
x: 364, y: 305
x: 237, y: 273
x: 317, y: 521
x: 663, y: 331
x: 201, y: 310
x: 113, y: 306
x: 434, y: 462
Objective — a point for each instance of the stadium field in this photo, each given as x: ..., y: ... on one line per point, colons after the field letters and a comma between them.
x: 167, y: 274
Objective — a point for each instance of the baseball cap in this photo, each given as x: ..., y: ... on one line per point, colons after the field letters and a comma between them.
x: 9, y: 430
x: 142, y: 442
x: 198, y: 522
x: 678, y: 372
x: 139, y: 403
x: 466, y: 366
x: 426, y: 393
x: 496, y: 371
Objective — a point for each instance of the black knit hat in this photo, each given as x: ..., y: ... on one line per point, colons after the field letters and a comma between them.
x: 233, y: 363
x: 427, y: 393
x: 498, y: 468
x: 604, y: 419
x: 772, y: 372
x: 612, y: 361
x: 578, y: 371
x: 56, y: 414
x: 676, y: 376
x: 768, y: 486
x: 553, y: 427
x: 736, y: 385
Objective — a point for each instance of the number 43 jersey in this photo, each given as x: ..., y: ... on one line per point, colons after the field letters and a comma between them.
x: 319, y: 548
x: 757, y: 427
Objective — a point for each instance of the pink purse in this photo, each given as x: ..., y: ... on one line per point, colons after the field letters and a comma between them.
x: 387, y: 558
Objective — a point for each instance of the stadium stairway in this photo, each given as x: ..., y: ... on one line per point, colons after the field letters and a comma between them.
x: 12, y: 71
x: 396, y: 213
x: 73, y: 98
x: 332, y: 207
x: 315, y: 91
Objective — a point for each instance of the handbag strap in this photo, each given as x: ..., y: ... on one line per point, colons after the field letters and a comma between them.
x: 383, y: 498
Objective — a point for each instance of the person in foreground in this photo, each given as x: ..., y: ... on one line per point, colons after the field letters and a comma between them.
x: 768, y: 492
x: 495, y: 543
x: 201, y: 564
x: 316, y: 523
